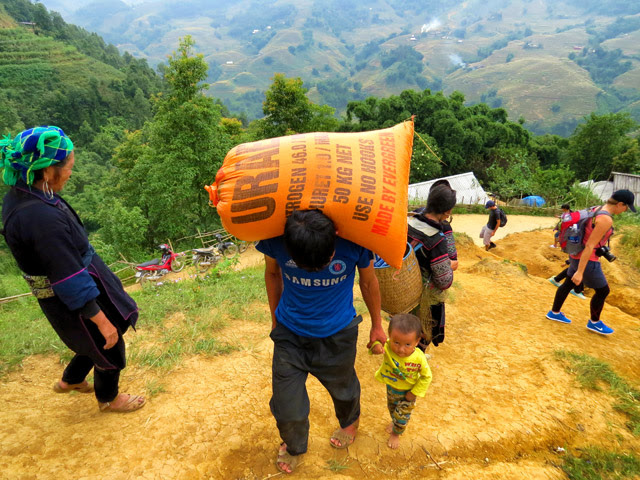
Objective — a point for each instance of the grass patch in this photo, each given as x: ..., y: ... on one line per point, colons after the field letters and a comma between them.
x: 25, y: 331
x: 462, y: 239
x: 596, y: 464
x: 176, y: 319
x: 337, y: 465
x: 591, y: 373
x: 203, y: 307
x: 521, y: 266
x: 630, y: 227
x: 154, y: 387
x: 227, y: 292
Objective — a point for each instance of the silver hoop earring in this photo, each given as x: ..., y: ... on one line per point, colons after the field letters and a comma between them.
x: 48, y: 193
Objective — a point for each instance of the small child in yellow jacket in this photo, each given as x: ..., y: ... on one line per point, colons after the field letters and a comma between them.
x: 404, y: 370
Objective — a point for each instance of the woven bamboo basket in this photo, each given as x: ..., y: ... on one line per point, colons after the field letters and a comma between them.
x: 400, y: 290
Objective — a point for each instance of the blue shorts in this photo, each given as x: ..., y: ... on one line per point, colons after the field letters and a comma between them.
x: 593, y: 276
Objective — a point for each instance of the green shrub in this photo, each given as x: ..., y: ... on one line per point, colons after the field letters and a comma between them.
x: 630, y: 227
x: 580, y: 197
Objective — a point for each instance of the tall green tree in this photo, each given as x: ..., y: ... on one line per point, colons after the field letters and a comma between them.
x: 552, y: 183
x: 287, y: 110
x: 425, y: 165
x: 467, y: 137
x: 164, y: 167
x: 595, y: 144
x: 512, y: 173
x: 629, y: 160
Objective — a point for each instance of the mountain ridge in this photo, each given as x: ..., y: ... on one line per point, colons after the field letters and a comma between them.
x: 470, y: 46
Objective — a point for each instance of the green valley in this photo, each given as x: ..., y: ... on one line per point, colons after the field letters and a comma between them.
x: 514, y: 52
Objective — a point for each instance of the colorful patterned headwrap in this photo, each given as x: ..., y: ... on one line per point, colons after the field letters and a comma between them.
x: 32, y: 150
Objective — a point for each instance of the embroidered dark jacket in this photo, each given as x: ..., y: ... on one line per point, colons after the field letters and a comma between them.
x: 47, y: 238
x: 433, y: 255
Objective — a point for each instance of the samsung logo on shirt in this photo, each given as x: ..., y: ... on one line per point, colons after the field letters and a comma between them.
x: 314, y: 282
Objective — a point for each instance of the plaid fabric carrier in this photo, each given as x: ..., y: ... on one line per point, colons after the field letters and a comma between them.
x: 431, y: 295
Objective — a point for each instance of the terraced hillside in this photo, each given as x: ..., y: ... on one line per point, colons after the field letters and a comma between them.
x: 42, y: 80
x: 34, y: 60
x: 52, y: 72
x: 509, y: 53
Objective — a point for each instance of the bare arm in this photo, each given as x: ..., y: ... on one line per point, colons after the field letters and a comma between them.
x: 371, y: 295
x: 497, y: 227
x: 273, y: 283
x: 107, y: 329
x: 603, y: 224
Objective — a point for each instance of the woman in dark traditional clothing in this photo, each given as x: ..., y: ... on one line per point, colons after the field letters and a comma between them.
x: 427, y: 234
x: 81, y: 297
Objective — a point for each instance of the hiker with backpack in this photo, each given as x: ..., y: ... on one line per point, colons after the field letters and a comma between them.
x: 497, y: 219
x: 587, y: 239
x: 566, y: 208
x: 557, y: 279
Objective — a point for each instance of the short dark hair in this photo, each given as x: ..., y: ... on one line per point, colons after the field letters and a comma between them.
x: 565, y: 206
x: 406, y: 323
x: 310, y: 239
x: 442, y: 181
x: 441, y: 199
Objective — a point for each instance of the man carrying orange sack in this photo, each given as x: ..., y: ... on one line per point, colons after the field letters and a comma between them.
x: 309, y: 277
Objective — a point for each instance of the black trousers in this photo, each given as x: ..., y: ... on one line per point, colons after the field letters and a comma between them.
x: 105, y: 382
x: 597, y: 301
x: 331, y: 360
x: 562, y: 275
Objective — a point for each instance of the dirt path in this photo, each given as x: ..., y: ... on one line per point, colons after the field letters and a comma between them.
x: 499, y: 407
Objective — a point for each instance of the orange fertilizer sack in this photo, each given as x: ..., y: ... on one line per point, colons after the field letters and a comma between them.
x: 359, y: 180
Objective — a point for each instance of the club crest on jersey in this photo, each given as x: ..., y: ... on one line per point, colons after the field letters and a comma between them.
x: 336, y: 267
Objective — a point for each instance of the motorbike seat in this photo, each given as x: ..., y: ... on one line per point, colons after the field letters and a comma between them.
x: 205, y: 251
x: 155, y: 261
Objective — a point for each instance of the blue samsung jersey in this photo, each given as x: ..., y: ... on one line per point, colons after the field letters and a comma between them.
x: 317, y: 304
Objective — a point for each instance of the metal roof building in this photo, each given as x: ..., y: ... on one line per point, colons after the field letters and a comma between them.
x: 466, y: 185
x: 626, y: 181
x: 602, y: 190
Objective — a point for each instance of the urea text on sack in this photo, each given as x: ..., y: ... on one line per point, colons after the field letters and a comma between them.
x: 255, y: 192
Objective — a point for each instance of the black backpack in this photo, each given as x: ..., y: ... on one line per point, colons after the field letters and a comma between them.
x: 503, y: 217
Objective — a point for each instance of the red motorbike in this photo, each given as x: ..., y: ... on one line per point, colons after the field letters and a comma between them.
x: 158, y: 267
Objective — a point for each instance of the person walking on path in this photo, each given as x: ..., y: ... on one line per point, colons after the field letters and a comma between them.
x: 404, y: 371
x: 426, y: 236
x: 309, y: 277
x: 585, y: 266
x: 556, y: 280
x: 446, y: 227
x: 83, y: 300
x: 556, y: 230
x: 490, y: 229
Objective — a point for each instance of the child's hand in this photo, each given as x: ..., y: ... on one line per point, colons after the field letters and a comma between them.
x: 376, y: 349
x: 410, y: 397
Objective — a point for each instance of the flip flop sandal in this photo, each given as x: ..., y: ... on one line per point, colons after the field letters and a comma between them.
x: 344, y: 438
x: 83, y: 387
x: 287, y: 458
x: 134, y: 402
